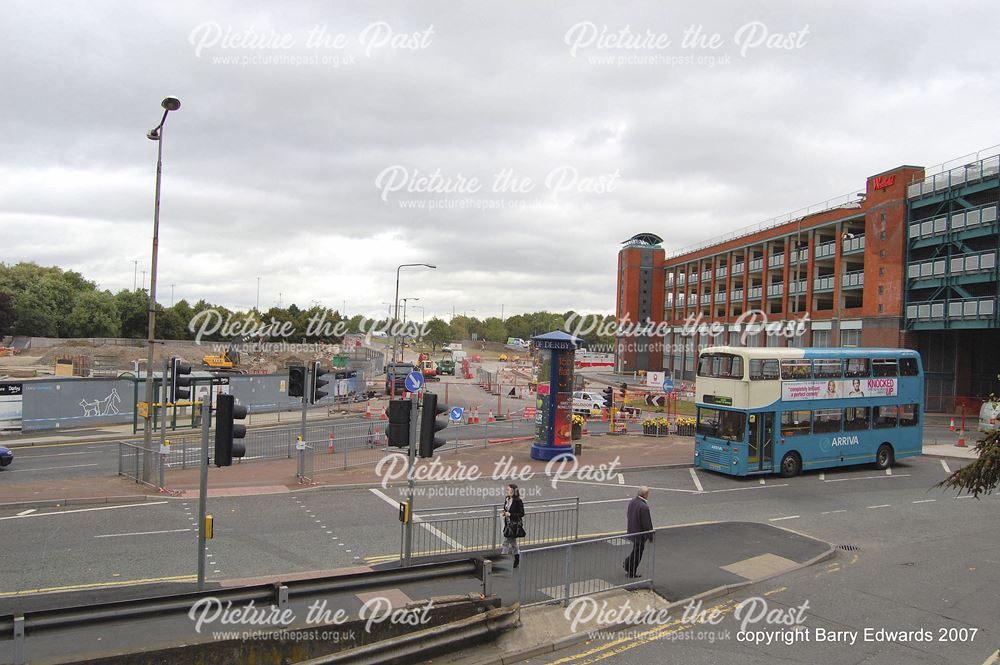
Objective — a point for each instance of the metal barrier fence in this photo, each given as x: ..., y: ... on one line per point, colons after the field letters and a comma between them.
x: 479, y: 528
x: 558, y: 573
x: 130, y: 463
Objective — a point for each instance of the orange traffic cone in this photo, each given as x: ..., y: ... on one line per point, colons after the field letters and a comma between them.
x: 490, y: 418
x: 329, y: 447
x: 383, y: 416
x: 961, y: 438
x: 368, y: 410
x: 475, y: 416
x: 952, y: 426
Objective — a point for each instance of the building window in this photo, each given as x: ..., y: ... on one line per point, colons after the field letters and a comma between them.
x: 881, y: 272
x: 880, y: 309
x: 850, y: 338
x: 881, y: 253
x: 881, y: 289
x: 821, y: 339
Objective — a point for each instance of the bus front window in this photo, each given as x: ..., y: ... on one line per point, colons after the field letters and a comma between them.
x: 728, y: 425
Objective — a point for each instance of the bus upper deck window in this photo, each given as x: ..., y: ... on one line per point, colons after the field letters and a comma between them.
x: 764, y: 369
x: 796, y: 369
x: 856, y: 367
x: 907, y: 366
x: 828, y: 368
x: 884, y: 367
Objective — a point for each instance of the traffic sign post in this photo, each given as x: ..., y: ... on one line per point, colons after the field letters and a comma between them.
x: 408, y: 525
x: 455, y: 415
x: 414, y: 381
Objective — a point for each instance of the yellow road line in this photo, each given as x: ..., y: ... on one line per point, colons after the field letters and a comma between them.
x: 95, y: 585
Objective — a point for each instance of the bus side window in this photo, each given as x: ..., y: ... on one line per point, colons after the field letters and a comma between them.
x: 856, y: 418
x: 827, y: 420
x: 884, y: 367
x: 856, y: 368
x: 909, y: 415
x: 827, y: 368
x: 764, y: 369
x: 796, y: 369
x: 794, y: 423
x: 885, y: 416
x: 907, y: 366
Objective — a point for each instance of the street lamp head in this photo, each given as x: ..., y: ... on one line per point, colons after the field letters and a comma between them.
x: 171, y: 103
x: 430, y: 266
x: 153, y: 134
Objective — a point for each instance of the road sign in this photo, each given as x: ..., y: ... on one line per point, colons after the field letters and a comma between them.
x: 530, y: 412
x: 455, y: 414
x: 668, y: 385
x: 414, y: 381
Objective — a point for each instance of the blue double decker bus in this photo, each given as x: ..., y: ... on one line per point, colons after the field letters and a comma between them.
x: 766, y: 410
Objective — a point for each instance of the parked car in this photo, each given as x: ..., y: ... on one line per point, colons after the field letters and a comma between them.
x: 989, y: 415
x: 6, y: 456
x: 587, y: 402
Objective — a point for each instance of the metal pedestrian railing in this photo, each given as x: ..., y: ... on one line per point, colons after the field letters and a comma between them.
x: 479, y: 528
x: 559, y: 573
x: 131, y: 460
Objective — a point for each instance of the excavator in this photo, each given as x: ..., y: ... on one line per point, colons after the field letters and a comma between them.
x: 226, y: 361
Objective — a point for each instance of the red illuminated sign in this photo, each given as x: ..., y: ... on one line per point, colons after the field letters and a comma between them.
x: 882, y: 182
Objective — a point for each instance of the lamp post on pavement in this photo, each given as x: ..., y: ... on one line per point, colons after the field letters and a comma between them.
x: 395, y: 317
x: 156, y: 134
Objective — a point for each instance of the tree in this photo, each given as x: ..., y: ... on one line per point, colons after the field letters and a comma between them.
x: 36, y: 312
x: 93, y: 315
x: 494, y: 330
x: 132, y: 313
x: 438, y: 332
x: 8, y: 314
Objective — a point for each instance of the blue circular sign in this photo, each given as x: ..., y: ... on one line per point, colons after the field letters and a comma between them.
x: 668, y: 385
x: 456, y: 413
x: 414, y: 381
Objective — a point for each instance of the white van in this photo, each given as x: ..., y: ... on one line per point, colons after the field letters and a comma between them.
x: 588, y: 402
x: 989, y: 415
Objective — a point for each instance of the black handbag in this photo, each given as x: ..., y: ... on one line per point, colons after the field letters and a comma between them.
x: 514, y: 530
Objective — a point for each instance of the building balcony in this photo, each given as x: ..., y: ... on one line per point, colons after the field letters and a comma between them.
x: 756, y: 265
x: 706, y: 275
x: 737, y: 269
x: 797, y: 287
x: 776, y: 261
x: 968, y: 264
x: 720, y: 272
x: 955, y: 310
x: 825, y: 283
x: 720, y: 297
x: 694, y: 278
x: 853, y: 280
x: 957, y: 177
x: 825, y: 250
x: 705, y: 299
x: 755, y: 292
x: 983, y: 216
x: 853, y: 245
x: 736, y: 296
x: 775, y: 290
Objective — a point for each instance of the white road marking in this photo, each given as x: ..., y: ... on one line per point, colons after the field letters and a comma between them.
x: 881, y: 505
x: 662, y: 489
x: 995, y: 658
x: 417, y: 520
x: 778, y: 519
x: 740, y: 489
x: 52, y: 468
x: 944, y: 464
x: 26, y: 512
x: 25, y: 456
x: 963, y: 496
x: 841, y: 480
x: 85, y: 510
x: 621, y: 479
x: 140, y: 533
x: 831, y: 512
x: 822, y: 476
x: 925, y: 501
x: 697, y: 481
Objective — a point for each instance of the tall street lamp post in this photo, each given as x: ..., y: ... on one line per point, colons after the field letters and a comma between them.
x: 395, y: 316
x: 156, y: 134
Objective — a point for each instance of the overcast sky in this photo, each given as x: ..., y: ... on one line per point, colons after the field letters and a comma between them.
x: 304, y: 128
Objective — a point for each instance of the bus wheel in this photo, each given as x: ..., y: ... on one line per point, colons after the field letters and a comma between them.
x: 791, y: 465
x: 884, y: 457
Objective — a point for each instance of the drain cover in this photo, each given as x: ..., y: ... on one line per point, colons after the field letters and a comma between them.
x: 849, y: 548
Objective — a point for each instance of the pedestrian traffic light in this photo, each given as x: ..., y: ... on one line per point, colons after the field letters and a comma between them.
x: 296, y: 380
x: 315, y: 383
x: 226, y: 430
x: 399, y: 423
x: 430, y: 425
x: 179, y: 388
x: 609, y: 397
x: 624, y: 388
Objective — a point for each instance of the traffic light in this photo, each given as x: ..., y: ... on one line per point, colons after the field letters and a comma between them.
x: 227, y: 411
x: 315, y: 383
x: 399, y: 423
x: 179, y: 388
x: 624, y: 388
x: 296, y: 380
x: 430, y: 425
x: 609, y: 397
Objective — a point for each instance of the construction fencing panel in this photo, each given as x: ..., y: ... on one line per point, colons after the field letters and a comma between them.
x: 348, y: 444
x: 131, y: 461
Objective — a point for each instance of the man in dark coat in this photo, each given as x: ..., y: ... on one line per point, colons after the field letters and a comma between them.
x: 639, y: 521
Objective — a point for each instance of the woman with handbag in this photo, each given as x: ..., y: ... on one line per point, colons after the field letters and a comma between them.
x: 513, y: 526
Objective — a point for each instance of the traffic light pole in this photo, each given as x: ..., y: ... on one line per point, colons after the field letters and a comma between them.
x: 206, y: 418
x: 408, y: 526
x: 163, y: 423
x: 305, y: 400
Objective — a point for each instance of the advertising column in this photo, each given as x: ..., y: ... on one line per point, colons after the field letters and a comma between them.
x: 553, y: 417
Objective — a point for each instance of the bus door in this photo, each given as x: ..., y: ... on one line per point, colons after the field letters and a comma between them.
x: 760, y: 449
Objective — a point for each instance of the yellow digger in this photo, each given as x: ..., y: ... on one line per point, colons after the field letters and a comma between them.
x: 228, y: 359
